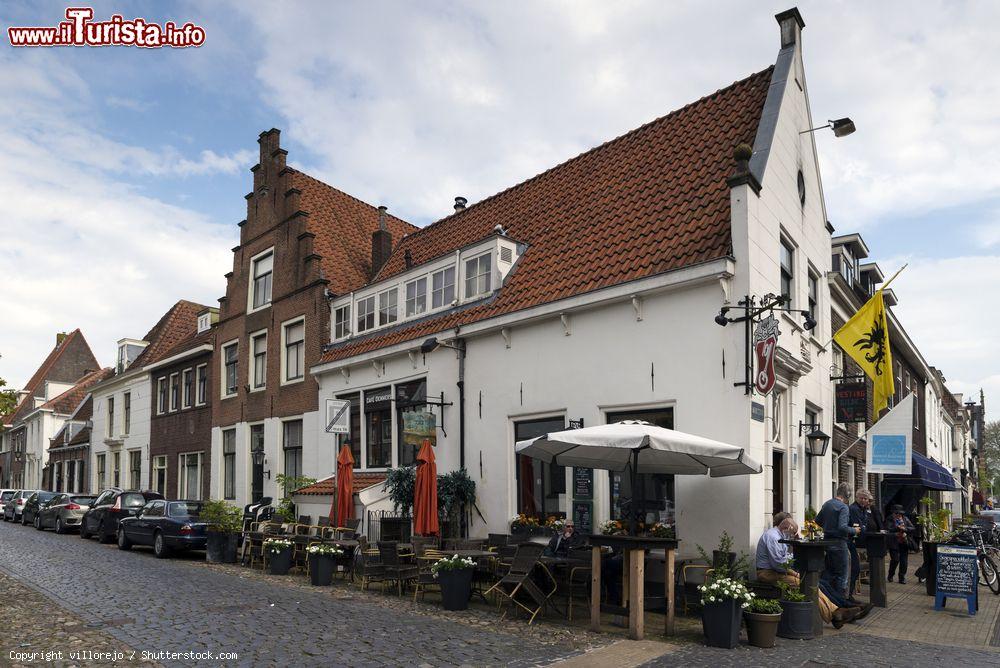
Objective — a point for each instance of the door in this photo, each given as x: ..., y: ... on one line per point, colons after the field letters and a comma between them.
x: 257, y: 470
x: 541, y: 487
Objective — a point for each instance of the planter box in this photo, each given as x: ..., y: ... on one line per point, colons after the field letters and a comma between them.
x: 220, y: 548
x: 762, y: 628
x: 796, y: 620
x: 456, y: 588
x: 721, y: 624
x: 321, y: 568
x: 281, y: 562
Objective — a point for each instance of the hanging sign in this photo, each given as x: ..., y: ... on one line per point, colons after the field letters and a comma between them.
x: 765, y: 345
x: 583, y: 483
x: 957, y: 576
x: 852, y: 402
x: 890, y: 440
x: 419, y: 426
x: 338, y: 416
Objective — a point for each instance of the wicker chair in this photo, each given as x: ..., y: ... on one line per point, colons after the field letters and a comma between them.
x: 518, y: 587
x: 371, y: 569
x: 495, y: 541
x: 422, y: 543
x: 394, y: 569
x: 425, y: 578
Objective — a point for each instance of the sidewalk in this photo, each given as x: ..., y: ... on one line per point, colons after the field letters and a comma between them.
x: 911, y: 616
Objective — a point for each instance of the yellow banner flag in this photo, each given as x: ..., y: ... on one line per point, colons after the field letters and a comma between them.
x: 865, y: 338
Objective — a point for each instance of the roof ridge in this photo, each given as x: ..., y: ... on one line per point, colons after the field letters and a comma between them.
x: 593, y: 149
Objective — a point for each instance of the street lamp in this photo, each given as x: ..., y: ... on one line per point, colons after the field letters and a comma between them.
x: 258, y: 459
x: 18, y: 452
x: 817, y: 441
x: 841, y: 127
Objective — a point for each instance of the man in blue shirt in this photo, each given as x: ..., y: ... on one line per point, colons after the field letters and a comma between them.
x: 834, y: 518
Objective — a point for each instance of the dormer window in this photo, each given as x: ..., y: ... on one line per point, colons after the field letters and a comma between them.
x: 478, y: 272
x: 388, y: 311
x: 342, y: 322
x: 366, y: 314
x: 262, y: 269
x: 443, y: 287
x: 416, y: 297
x: 204, y: 322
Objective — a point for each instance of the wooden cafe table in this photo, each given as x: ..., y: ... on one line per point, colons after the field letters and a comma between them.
x: 633, y: 579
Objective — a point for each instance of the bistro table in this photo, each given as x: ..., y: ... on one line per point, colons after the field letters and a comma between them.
x: 876, y: 544
x: 812, y: 555
x: 633, y: 580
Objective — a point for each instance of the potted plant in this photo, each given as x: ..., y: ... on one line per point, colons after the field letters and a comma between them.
x: 322, y: 563
x: 454, y: 574
x: 288, y: 484
x: 934, y: 522
x: 762, y: 617
x: 456, y: 493
x: 523, y: 524
x: 661, y: 530
x: 724, y: 558
x: 555, y: 524
x: 796, y: 614
x: 279, y: 551
x: 722, y: 600
x: 225, y: 522
x: 612, y: 528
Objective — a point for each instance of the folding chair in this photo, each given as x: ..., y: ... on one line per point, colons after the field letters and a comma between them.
x: 518, y: 585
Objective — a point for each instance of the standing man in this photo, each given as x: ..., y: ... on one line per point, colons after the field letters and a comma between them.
x: 861, y: 515
x: 900, y: 527
x: 835, y: 519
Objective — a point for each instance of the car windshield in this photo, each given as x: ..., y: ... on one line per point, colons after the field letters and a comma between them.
x: 82, y: 500
x: 46, y: 496
x: 6, y: 495
x: 184, y: 509
x: 133, y: 500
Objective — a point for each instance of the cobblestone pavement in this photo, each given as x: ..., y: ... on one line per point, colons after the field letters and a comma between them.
x: 184, y: 605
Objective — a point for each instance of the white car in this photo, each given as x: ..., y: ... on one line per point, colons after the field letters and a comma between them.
x: 5, y: 495
x: 15, y: 506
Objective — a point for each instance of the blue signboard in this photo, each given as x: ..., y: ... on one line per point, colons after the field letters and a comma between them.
x: 888, y: 450
x: 957, y: 576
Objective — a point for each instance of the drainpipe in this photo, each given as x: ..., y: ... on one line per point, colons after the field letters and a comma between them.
x: 460, y: 346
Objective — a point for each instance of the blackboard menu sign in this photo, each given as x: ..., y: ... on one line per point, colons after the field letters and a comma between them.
x: 852, y: 402
x: 583, y: 516
x: 957, y: 576
x: 583, y: 483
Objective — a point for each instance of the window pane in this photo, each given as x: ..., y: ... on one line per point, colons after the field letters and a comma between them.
x: 387, y: 312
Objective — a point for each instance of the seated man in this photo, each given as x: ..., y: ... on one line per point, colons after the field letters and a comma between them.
x: 772, y: 563
x: 564, y: 541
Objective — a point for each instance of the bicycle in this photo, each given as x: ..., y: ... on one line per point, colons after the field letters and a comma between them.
x: 987, y: 555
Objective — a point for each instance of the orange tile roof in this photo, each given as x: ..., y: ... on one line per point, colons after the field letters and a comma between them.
x: 328, y: 486
x: 176, y: 325
x: 25, y: 406
x: 67, y: 402
x: 343, y: 226
x: 193, y: 341
x: 650, y: 201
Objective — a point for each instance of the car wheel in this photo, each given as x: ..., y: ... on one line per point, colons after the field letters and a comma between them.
x: 83, y: 529
x: 160, y: 548
x: 38, y: 522
x: 102, y: 534
x: 59, y: 526
x: 123, y: 542
x: 24, y: 520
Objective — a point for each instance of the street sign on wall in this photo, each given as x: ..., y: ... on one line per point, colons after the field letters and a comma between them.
x: 338, y: 416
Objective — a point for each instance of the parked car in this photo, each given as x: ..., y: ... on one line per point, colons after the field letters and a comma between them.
x: 13, y: 508
x: 110, y: 507
x: 166, y: 525
x: 5, y: 496
x: 64, y: 512
x: 36, y: 501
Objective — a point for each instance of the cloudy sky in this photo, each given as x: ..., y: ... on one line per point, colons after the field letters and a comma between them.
x: 124, y: 169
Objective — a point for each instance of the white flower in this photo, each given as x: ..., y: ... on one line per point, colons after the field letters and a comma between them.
x: 712, y: 599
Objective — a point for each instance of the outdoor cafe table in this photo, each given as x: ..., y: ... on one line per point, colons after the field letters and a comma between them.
x: 633, y: 580
x: 812, y: 555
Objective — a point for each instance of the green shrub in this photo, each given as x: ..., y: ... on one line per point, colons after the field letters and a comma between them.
x: 765, y: 606
x: 221, y: 516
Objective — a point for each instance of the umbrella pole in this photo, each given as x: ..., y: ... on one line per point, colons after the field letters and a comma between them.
x: 632, y: 506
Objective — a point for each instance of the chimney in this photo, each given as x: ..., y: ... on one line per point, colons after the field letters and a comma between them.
x: 60, y: 337
x: 408, y: 258
x: 460, y: 203
x: 381, y: 243
x: 791, y: 26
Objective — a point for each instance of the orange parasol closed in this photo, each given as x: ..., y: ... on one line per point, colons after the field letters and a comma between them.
x: 425, y: 496
x: 343, y: 504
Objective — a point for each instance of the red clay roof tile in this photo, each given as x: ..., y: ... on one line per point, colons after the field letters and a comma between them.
x: 328, y: 486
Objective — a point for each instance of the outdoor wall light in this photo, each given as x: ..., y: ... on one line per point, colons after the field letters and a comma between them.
x: 841, y: 127
x: 432, y: 344
x: 258, y: 459
x: 816, y: 440
x: 18, y: 453
x: 721, y: 320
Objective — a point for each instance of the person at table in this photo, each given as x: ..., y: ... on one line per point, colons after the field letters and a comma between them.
x: 773, y: 559
x: 835, y: 520
x: 564, y: 541
x: 900, y: 527
x: 862, y: 516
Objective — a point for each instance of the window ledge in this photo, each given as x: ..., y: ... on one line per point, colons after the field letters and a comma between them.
x: 259, y: 308
x: 294, y: 381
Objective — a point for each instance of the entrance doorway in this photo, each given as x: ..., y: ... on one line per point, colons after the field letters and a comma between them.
x: 257, y: 470
x: 777, y: 482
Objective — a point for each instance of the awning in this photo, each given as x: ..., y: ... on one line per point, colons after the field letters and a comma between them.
x: 926, y: 473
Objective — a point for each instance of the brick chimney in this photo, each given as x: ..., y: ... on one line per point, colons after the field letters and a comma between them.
x: 791, y: 24
x: 60, y: 337
x: 381, y: 243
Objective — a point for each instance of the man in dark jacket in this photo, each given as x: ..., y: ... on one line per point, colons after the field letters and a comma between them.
x: 860, y: 515
x: 900, y: 527
x: 834, y: 517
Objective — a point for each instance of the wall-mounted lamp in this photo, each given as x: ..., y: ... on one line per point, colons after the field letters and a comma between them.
x: 816, y: 440
x: 841, y: 127
x: 258, y: 459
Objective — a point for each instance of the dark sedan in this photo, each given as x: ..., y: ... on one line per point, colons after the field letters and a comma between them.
x: 110, y: 507
x: 64, y: 512
x: 166, y: 525
x: 38, y: 500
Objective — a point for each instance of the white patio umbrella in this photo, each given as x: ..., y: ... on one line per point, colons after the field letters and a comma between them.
x: 639, y: 447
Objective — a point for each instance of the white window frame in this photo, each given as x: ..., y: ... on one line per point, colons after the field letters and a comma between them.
x: 128, y: 461
x: 225, y: 455
x: 182, y: 491
x: 285, y: 380
x: 342, y: 327
x: 783, y: 243
x: 159, y: 464
x: 200, y: 372
x: 411, y: 304
x: 162, y: 405
x: 252, y: 288
x: 479, y: 277
x: 454, y: 289
x: 301, y: 446
x: 252, y: 366
x: 222, y: 369
x: 174, y: 399
x: 110, y: 415
x: 370, y: 304
x: 384, y: 308
x: 126, y: 413
x: 187, y: 389
x: 101, y: 471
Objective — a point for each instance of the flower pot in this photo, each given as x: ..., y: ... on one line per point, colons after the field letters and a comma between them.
x: 321, y: 567
x: 762, y: 628
x: 796, y: 620
x: 279, y: 563
x: 721, y: 623
x: 930, y: 565
x: 220, y: 548
x: 456, y: 588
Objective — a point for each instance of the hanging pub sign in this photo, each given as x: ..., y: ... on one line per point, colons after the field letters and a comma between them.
x: 583, y: 483
x: 419, y: 426
x: 765, y: 345
x: 852, y: 402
